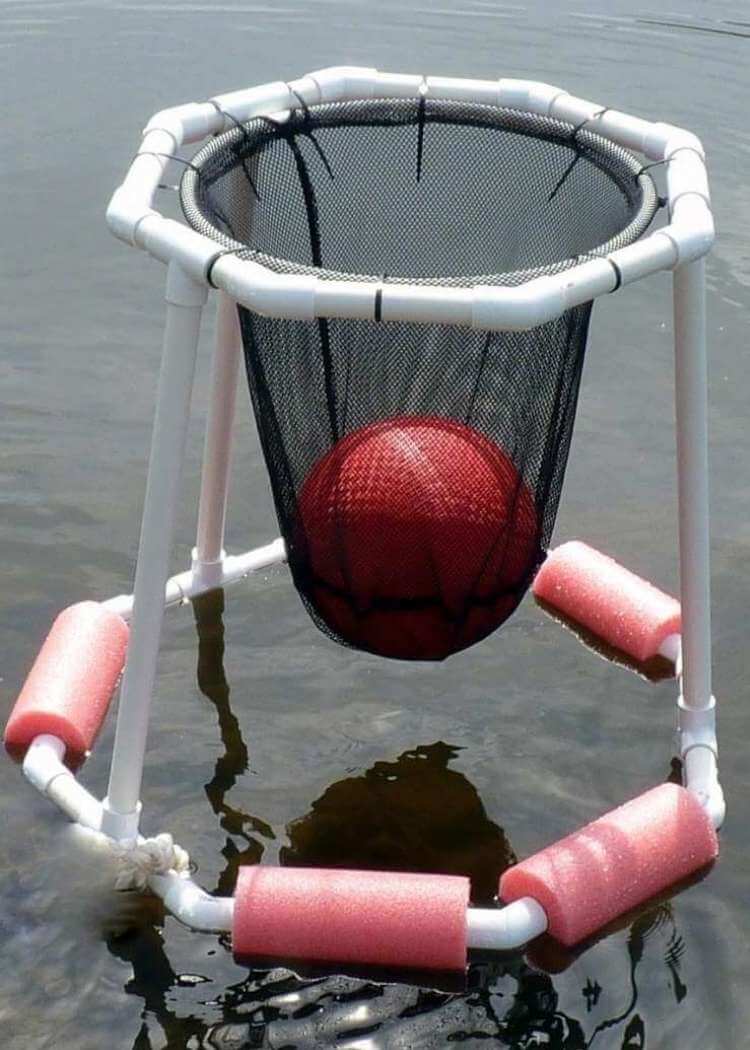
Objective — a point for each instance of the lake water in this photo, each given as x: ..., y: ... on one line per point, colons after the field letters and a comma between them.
x: 268, y: 741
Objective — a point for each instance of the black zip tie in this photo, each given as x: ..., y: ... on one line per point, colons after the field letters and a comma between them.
x: 666, y: 160
x: 238, y: 124
x: 378, y: 312
x: 169, y: 156
x: 618, y: 275
x: 420, y: 131
x: 281, y: 127
x: 573, y: 136
x: 308, y: 126
x: 648, y: 167
x: 302, y: 102
x: 220, y: 254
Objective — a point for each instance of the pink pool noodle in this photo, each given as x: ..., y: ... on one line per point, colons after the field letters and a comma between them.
x: 68, y: 690
x: 615, y: 863
x: 362, y: 917
x: 612, y: 602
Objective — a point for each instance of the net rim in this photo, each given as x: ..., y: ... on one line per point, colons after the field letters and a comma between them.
x: 607, y: 155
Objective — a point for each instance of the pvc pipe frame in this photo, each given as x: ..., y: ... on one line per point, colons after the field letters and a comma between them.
x: 498, y: 929
x: 209, y: 553
x: 689, y: 235
x: 185, y: 299
x: 132, y: 218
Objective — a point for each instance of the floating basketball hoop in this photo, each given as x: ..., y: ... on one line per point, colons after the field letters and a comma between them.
x: 409, y: 263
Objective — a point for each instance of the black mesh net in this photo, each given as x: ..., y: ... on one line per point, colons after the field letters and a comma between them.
x: 416, y: 468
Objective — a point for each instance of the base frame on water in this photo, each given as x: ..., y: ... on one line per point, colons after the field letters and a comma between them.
x: 192, y: 259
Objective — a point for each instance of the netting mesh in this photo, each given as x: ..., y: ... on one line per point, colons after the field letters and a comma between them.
x: 416, y: 468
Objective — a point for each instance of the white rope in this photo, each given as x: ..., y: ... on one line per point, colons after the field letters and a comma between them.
x: 156, y: 856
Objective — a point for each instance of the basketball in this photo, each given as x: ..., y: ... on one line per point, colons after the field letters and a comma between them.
x: 418, y: 537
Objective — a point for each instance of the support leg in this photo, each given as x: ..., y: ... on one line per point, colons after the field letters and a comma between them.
x: 185, y: 301
x: 696, y: 705
x: 209, y: 549
x: 691, y: 380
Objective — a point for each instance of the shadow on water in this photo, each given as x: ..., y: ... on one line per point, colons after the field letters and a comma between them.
x: 414, y: 813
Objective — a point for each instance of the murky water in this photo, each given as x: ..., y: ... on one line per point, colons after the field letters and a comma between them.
x: 268, y: 741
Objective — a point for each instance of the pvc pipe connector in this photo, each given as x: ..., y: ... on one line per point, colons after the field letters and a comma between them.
x: 343, y: 82
x: 686, y: 173
x: 207, y: 575
x: 656, y: 252
x: 187, y: 123
x: 696, y: 733
x: 122, y: 827
x: 671, y: 649
x: 502, y: 929
x: 191, y: 905
x: 125, y: 212
x: 186, y: 585
x: 662, y: 140
x: 528, y: 95
x: 43, y: 761
x: 701, y: 778
x: 43, y: 767
x: 170, y: 241
x: 354, y: 299
x: 252, y: 102
x: 573, y: 110
x: 587, y: 281
x: 265, y: 292
x: 691, y: 229
x: 627, y: 131
x: 516, y: 309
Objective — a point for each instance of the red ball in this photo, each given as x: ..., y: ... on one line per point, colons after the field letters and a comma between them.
x: 417, y: 532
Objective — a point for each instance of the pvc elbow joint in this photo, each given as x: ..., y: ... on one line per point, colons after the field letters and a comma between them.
x: 263, y: 291
x: 188, y: 123
x: 520, y: 308
x: 125, y: 212
x: 662, y: 140
x: 340, y: 82
x: 692, y: 227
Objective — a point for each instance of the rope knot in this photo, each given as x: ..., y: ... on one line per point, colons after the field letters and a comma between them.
x: 156, y: 856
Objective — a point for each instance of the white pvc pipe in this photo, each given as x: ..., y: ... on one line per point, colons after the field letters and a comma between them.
x: 691, y: 386
x: 191, y: 905
x: 701, y: 775
x: 496, y: 928
x: 185, y: 301
x: 44, y: 768
x: 186, y: 585
x: 209, y: 546
x: 689, y: 235
x: 500, y: 929
x: 670, y: 649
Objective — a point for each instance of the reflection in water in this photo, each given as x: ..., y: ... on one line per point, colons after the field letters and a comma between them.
x: 414, y: 813
x: 212, y: 682
x: 655, y: 669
